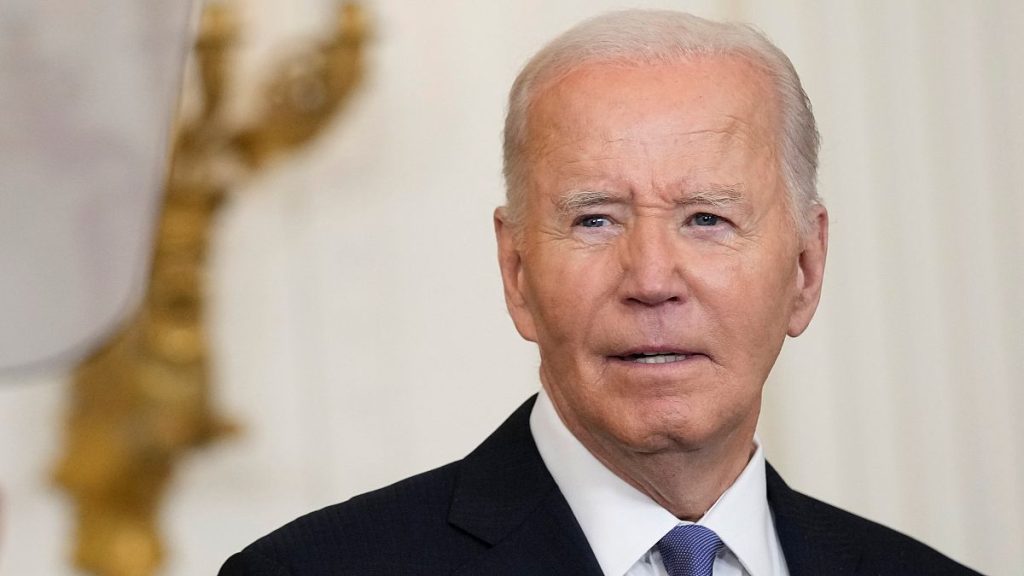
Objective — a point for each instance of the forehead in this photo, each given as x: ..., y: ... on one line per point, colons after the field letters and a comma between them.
x: 618, y: 100
x: 701, y: 118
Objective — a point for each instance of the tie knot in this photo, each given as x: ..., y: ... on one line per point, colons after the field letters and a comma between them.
x: 689, y: 550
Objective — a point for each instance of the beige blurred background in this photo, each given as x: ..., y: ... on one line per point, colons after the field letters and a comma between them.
x: 359, y: 329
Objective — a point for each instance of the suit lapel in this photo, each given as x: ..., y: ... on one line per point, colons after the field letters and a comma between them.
x: 505, y: 497
x: 811, y: 543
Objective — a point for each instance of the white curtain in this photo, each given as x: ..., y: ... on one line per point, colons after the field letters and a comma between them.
x: 360, y: 330
x: 903, y: 400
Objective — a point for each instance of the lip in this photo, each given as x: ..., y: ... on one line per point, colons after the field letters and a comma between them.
x: 658, y: 349
x: 672, y: 368
x: 658, y: 357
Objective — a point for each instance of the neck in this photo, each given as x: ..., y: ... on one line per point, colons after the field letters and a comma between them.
x: 686, y: 482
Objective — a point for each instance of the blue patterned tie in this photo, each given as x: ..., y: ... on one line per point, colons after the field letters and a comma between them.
x: 689, y: 550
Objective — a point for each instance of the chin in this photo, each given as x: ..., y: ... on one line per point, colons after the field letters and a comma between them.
x: 647, y: 433
x: 674, y: 425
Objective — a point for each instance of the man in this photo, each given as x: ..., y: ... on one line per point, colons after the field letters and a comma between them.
x: 662, y: 237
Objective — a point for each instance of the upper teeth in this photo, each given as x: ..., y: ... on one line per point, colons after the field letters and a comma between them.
x: 658, y: 358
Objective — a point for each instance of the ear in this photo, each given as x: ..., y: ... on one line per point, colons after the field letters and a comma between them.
x: 510, y: 260
x: 810, y: 272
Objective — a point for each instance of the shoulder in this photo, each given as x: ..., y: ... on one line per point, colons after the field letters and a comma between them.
x: 398, y: 529
x: 817, y: 533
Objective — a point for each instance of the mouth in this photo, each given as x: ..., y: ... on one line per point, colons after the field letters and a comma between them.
x: 654, y: 356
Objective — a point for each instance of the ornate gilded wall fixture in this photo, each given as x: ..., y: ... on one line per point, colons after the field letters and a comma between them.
x: 143, y: 401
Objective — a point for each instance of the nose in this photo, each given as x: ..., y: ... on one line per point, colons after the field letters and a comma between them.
x: 651, y: 264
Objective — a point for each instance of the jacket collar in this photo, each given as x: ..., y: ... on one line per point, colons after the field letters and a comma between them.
x: 811, y: 543
x: 505, y: 496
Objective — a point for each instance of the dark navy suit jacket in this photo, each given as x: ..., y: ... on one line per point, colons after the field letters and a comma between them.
x: 498, y: 512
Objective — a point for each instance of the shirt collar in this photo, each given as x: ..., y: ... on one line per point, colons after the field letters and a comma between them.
x: 743, y: 521
x: 622, y: 524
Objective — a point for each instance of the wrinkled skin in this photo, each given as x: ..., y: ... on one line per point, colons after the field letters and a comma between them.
x: 656, y: 221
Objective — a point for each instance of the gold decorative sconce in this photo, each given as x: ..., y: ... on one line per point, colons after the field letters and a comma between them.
x: 144, y: 400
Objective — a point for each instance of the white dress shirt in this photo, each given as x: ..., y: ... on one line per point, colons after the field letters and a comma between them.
x: 623, y: 525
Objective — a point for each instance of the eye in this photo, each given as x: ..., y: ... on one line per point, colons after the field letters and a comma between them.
x: 592, y: 221
x: 705, y: 219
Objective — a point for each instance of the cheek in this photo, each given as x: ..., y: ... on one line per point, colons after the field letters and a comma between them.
x: 749, y: 298
x: 567, y: 289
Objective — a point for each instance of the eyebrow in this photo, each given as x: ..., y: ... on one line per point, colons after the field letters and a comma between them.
x: 716, y: 195
x: 577, y: 201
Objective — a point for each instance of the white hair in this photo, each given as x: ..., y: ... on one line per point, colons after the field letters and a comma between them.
x: 663, y: 36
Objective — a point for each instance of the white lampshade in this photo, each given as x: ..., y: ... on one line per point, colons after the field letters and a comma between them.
x: 87, y: 95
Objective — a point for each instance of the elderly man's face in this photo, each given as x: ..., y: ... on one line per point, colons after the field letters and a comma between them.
x: 657, y: 267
